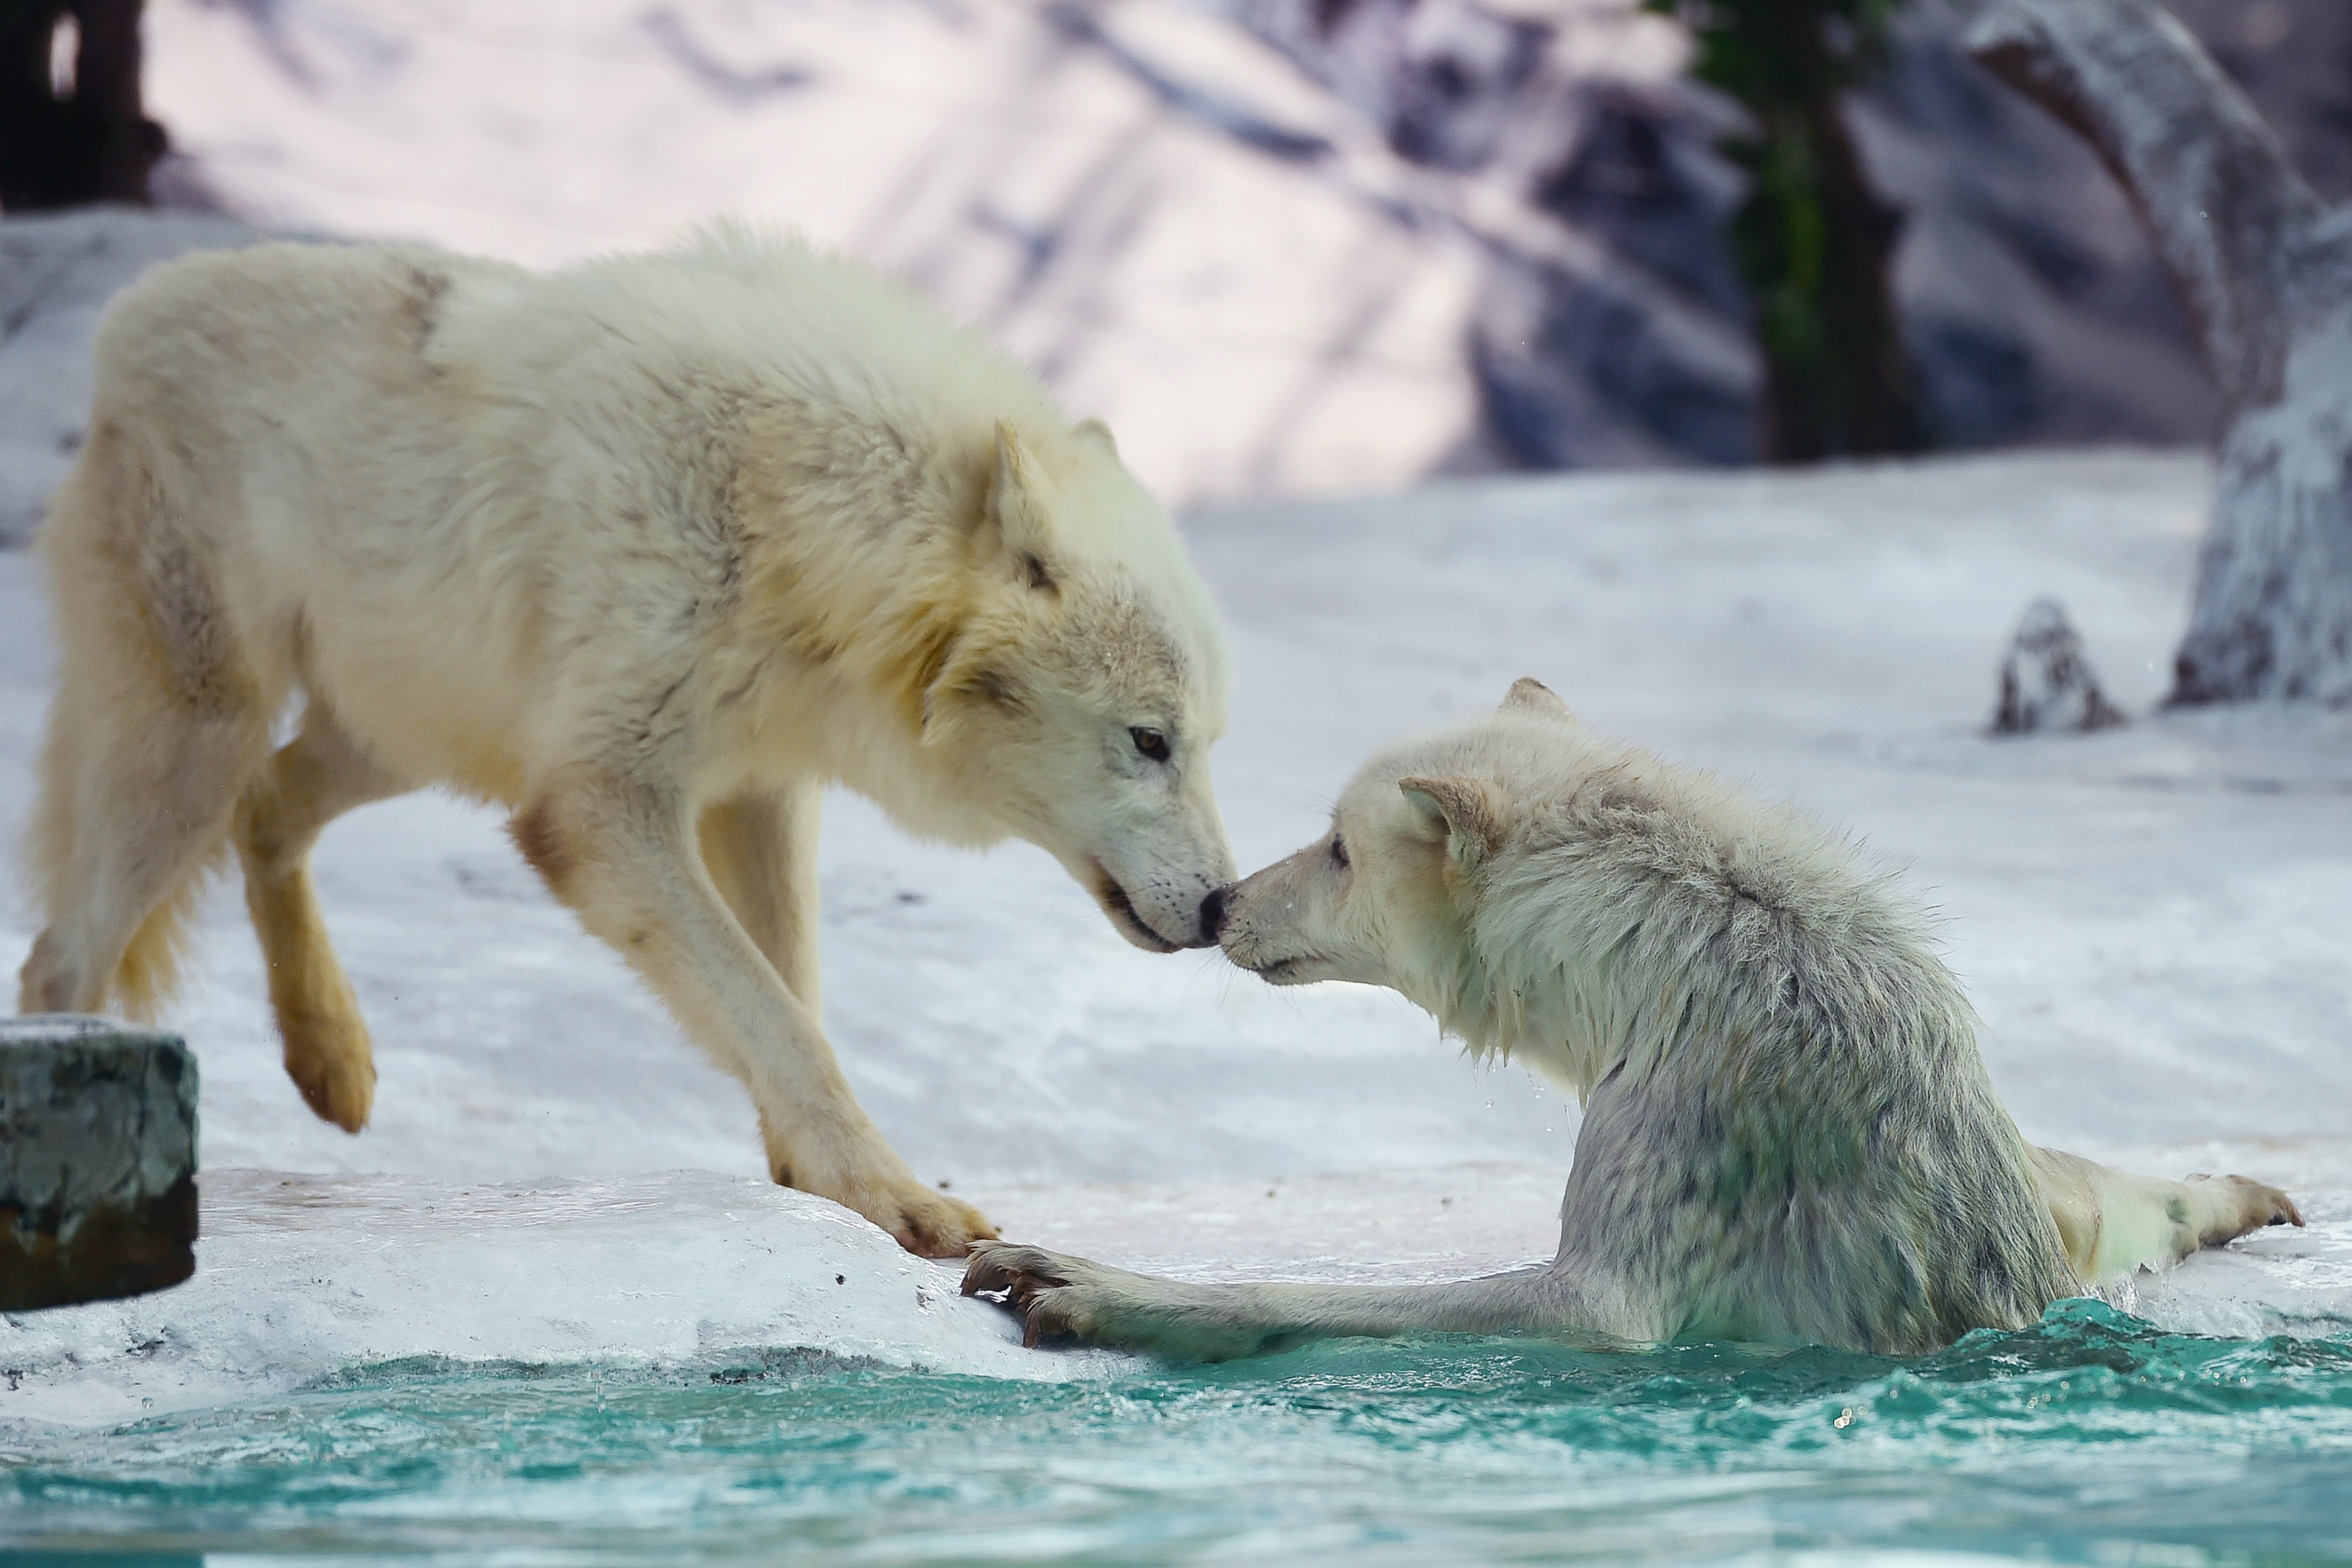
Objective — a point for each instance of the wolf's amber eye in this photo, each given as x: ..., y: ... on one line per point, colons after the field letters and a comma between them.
x: 1149, y: 742
x: 1339, y: 850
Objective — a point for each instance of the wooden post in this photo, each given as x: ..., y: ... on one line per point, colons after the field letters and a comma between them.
x: 98, y: 1160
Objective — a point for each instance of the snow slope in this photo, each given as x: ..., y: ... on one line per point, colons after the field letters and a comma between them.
x: 1184, y: 234
x: 2150, y: 921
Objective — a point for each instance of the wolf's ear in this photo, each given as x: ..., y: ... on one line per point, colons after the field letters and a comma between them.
x: 1463, y: 812
x: 1016, y: 505
x: 1529, y: 695
x: 1096, y: 432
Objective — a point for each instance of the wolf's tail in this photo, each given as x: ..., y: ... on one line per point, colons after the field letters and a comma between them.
x: 157, y: 729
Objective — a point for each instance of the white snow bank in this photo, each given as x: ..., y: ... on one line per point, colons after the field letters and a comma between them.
x: 303, y: 1278
x: 2150, y: 920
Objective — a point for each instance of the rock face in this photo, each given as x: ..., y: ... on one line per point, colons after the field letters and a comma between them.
x: 2266, y: 267
x: 1183, y: 234
x: 1283, y: 246
x: 1607, y: 330
x: 2034, y: 309
x: 98, y: 1160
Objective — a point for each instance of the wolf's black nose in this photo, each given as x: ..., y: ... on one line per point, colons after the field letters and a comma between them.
x: 1212, y: 914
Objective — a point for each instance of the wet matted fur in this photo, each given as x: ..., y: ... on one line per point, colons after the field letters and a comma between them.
x: 1788, y: 1136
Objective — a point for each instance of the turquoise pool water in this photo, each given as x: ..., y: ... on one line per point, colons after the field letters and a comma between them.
x: 2094, y: 1438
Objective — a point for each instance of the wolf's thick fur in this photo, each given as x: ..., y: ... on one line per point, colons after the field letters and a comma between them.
x: 1788, y: 1136
x: 647, y: 552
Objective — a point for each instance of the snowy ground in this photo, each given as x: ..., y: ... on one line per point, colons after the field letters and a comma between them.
x: 2149, y: 920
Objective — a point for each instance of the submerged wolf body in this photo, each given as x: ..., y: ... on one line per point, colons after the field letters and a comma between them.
x: 647, y: 553
x: 1788, y: 1136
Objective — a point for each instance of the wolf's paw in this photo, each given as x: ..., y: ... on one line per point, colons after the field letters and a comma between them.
x: 1059, y: 1300
x: 857, y: 1170
x: 928, y: 1224
x: 332, y: 1063
x: 2247, y: 1205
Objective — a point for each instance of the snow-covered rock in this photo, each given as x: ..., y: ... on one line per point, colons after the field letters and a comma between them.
x: 2265, y: 266
x: 2046, y: 679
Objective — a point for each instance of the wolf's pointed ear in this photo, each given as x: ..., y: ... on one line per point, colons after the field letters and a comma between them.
x: 1464, y: 812
x: 1096, y: 432
x: 1529, y: 695
x: 1016, y: 504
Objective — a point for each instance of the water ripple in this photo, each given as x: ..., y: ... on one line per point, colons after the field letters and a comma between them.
x: 2094, y: 1438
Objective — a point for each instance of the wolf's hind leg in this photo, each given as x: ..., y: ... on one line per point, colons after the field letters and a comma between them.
x: 314, y: 779
x: 760, y: 850
x: 2114, y: 1221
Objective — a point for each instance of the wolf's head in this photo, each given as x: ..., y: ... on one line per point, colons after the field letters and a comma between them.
x: 1381, y: 899
x: 1084, y: 684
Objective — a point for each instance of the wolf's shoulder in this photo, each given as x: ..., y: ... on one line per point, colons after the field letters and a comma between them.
x: 1690, y: 843
x: 775, y: 313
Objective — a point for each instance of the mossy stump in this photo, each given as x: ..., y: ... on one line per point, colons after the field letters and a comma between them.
x: 98, y: 1160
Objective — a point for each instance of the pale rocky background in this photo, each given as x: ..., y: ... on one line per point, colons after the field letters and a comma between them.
x: 1279, y: 256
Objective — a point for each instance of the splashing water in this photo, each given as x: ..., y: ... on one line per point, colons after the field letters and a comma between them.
x: 2092, y: 1437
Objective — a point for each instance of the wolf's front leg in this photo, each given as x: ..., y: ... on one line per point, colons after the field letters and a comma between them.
x: 1063, y: 1299
x: 623, y: 856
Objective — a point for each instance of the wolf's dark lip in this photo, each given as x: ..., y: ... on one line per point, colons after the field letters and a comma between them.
x: 1114, y: 898
x: 1278, y: 971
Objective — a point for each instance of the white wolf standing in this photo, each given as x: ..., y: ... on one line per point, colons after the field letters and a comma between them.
x: 1789, y: 1136
x: 647, y: 552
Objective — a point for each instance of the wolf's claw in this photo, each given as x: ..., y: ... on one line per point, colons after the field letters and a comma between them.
x: 1036, y: 1286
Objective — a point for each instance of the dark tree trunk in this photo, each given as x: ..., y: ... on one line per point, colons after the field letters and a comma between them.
x: 2265, y: 271
x: 91, y: 143
x: 1817, y: 247
x: 1813, y: 245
